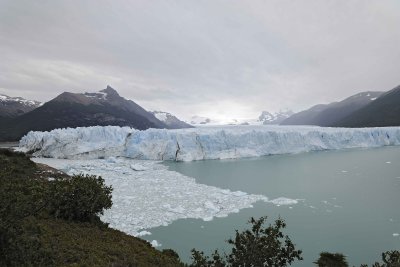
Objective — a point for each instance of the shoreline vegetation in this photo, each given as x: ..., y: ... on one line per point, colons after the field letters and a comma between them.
x: 48, y: 218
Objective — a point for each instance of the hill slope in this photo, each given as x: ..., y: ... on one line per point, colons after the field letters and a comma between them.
x: 329, y: 114
x: 105, y: 107
x: 384, y: 111
x: 32, y: 234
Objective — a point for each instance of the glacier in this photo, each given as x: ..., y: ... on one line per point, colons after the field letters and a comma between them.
x: 147, y: 195
x: 227, y: 142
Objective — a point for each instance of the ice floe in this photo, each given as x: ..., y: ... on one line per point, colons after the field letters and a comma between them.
x: 157, y: 196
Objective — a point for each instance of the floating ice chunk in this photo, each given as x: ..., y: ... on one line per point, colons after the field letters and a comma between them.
x: 143, y: 233
x: 396, y: 234
x: 111, y: 160
x: 344, y: 171
x: 211, y: 206
x: 284, y: 201
x: 388, y: 162
x: 239, y: 193
x: 137, y: 167
x: 155, y: 244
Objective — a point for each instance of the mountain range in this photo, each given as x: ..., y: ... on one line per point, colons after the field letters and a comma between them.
x: 18, y: 116
x: 11, y: 107
x: 102, y: 108
x: 268, y: 118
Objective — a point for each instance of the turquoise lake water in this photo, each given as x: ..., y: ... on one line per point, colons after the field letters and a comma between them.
x: 350, y: 202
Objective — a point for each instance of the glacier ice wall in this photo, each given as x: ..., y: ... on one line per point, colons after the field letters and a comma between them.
x: 201, y: 143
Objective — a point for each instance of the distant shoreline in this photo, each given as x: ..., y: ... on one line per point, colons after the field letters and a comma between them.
x: 9, y: 144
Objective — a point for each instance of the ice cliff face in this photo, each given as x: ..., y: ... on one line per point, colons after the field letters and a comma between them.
x: 201, y: 143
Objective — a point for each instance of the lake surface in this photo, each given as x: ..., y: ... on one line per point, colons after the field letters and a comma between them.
x: 350, y: 202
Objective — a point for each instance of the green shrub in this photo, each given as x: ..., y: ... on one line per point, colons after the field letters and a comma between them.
x: 389, y: 258
x: 327, y: 259
x: 259, y: 246
x: 81, y: 198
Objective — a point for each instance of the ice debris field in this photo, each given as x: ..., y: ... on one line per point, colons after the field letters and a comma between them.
x: 146, y: 194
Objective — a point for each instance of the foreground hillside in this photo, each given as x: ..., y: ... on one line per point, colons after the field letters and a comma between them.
x: 50, y: 219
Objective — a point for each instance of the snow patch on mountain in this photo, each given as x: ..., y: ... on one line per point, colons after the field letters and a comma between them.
x: 20, y: 100
x: 201, y: 143
x: 98, y: 95
x: 170, y: 120
x: 275, y: 117
x: 162, y: 116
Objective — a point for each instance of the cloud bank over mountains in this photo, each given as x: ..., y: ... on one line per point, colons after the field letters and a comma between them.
x: 217, y: 59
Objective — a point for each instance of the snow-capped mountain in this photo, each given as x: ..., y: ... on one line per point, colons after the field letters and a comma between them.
x: 11, y: 107
x: 170, y: 120
x: 102, y: 108
x: 198, y: 120
x: 275, y: 117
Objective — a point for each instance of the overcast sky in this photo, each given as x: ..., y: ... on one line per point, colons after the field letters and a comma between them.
x: 221, y: 59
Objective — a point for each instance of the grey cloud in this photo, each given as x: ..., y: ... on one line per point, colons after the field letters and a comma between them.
x: 201, y: 57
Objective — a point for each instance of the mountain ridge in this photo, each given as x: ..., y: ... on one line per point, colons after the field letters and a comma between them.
x: 102, y: 108
x: 328, y: 114
x: 11, y: 107
x: 382, y: 112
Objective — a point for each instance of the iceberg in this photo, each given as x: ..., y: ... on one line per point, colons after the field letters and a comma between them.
x: 226, y: 142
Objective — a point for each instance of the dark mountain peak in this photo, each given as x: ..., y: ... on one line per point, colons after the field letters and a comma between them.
x: 110, y: 91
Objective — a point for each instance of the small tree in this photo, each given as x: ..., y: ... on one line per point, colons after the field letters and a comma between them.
x: 259, y: 246
x: 389, y: 258
x: 79, y: 198
x: 327, y: 259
